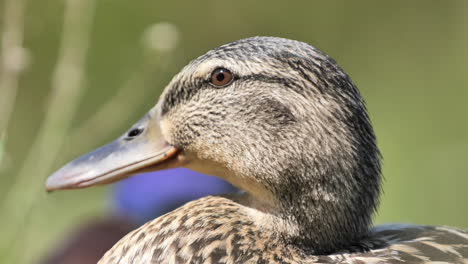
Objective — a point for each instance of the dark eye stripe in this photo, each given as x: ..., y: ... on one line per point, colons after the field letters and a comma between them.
x: 184, y: 91
x: 268, y: 79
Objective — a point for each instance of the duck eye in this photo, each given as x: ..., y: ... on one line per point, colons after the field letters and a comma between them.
x: 221, y: 77
x: 134, y: 132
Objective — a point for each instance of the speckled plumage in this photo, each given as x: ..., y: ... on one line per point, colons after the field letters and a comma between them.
x: 292, y: 131
x: 217, y: 230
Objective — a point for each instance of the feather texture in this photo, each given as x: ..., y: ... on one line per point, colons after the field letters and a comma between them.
x: 218, y: 230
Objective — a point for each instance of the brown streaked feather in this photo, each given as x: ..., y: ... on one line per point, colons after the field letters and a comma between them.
x: 209, y: 230
x: 218, y: 230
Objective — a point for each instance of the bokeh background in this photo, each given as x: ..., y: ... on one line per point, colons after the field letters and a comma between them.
x: 75, y: 74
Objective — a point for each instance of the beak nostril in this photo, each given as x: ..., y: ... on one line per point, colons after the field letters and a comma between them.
x: 134, y: 132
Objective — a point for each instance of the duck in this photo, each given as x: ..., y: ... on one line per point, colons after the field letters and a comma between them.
x: 281, y: 121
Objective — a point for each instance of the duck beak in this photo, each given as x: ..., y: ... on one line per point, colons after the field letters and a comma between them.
x: 142, y: 148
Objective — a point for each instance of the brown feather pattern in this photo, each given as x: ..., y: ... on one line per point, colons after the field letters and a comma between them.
x: 217, y: 230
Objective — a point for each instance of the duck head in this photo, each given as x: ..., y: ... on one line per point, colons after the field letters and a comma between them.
x: 276, y: 118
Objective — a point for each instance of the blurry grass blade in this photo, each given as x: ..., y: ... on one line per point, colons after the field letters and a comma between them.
x: 2, y: 149
x: 67, y: 86
x: 13, y: 59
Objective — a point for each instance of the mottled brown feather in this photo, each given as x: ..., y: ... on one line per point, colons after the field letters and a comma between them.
x: 217, y: 230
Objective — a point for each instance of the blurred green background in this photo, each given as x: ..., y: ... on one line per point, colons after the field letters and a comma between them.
x: 87, y: 70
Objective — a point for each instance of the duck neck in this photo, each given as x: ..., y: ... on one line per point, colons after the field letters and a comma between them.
x: 326, y: 218
x: 323, y: 210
